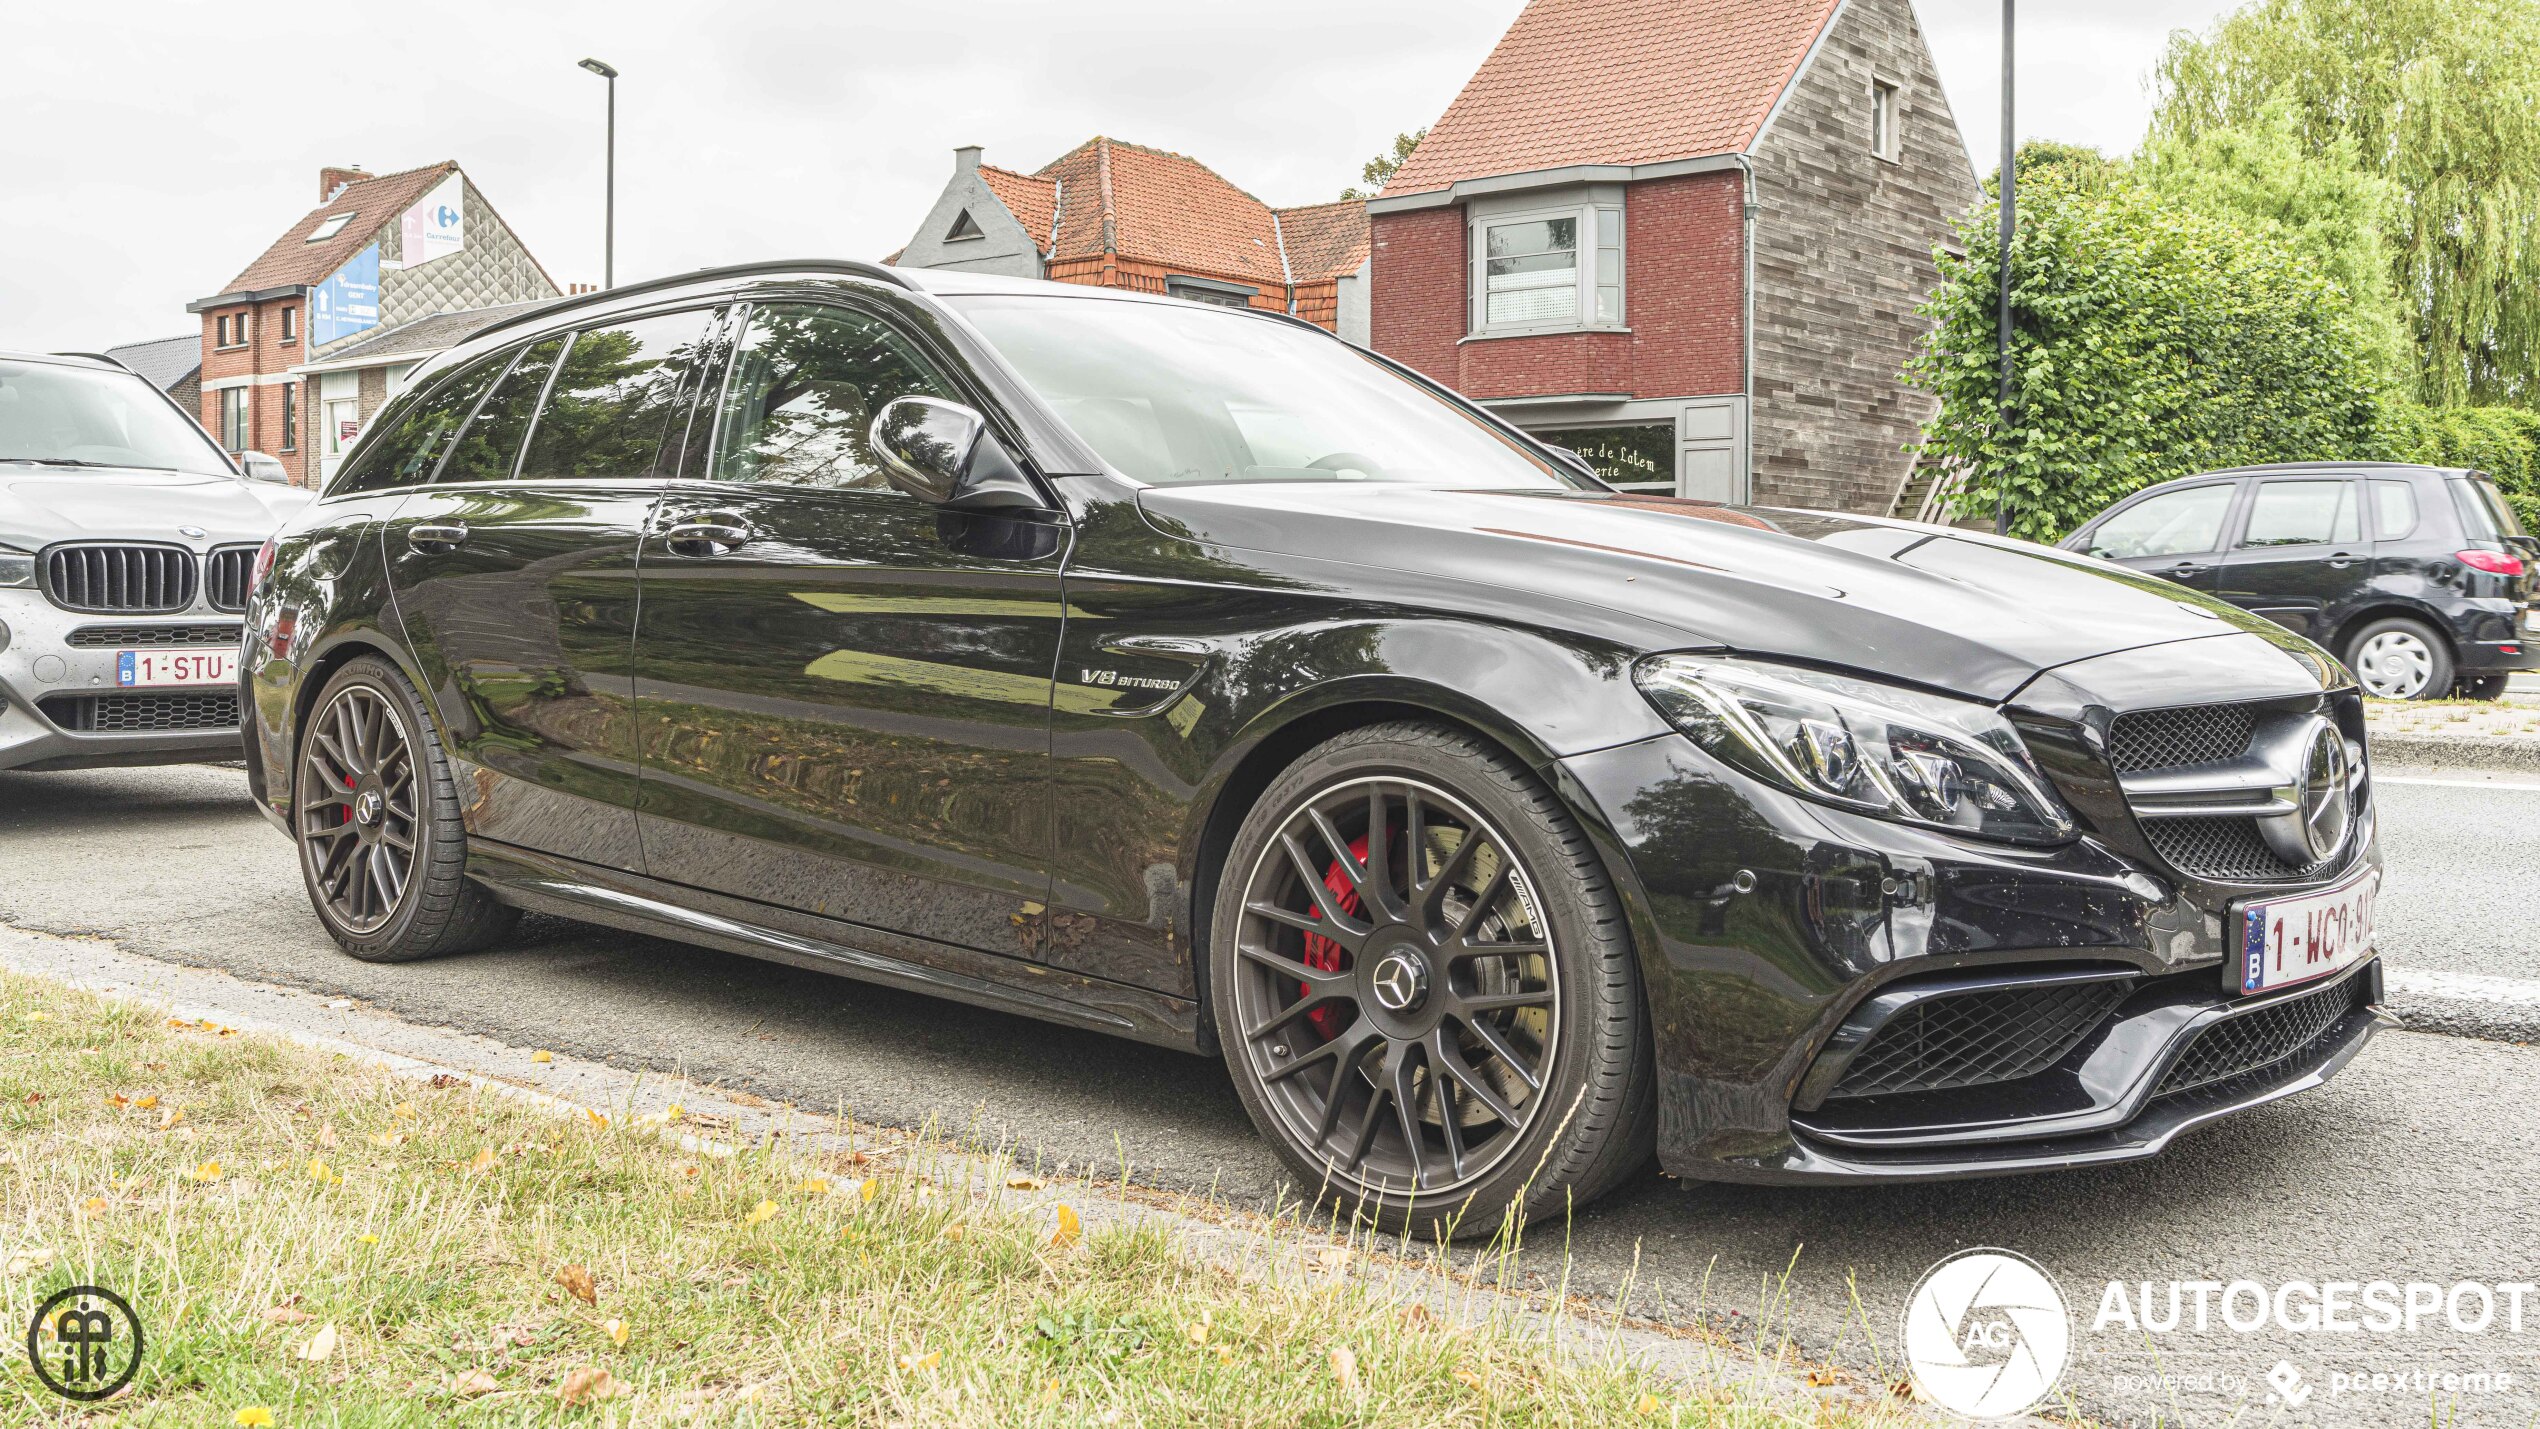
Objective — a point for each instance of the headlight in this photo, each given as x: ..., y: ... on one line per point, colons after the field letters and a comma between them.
x: 17, y: 568
x: 1895, y: 753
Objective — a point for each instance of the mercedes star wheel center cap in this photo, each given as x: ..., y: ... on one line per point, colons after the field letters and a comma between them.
x: 366, y: 808
x: 1401, y: 982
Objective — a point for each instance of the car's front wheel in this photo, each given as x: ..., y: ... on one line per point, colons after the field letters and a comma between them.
x: 375, y: 813
x: 1425, y: 986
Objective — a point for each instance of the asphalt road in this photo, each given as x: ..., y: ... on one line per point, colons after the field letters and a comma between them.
x: 2415, y: 1165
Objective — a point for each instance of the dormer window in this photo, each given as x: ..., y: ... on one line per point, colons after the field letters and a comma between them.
x: 329, y: 228
x: 964, y: 227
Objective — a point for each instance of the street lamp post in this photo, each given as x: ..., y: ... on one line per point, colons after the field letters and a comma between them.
x: 2002, y: 299
x: 608, y: 241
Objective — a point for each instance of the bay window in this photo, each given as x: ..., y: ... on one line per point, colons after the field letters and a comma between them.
x: 1548, y: 269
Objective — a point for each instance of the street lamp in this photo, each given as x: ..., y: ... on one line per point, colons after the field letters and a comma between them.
x: 608, y: 248
x: 2010, y: 222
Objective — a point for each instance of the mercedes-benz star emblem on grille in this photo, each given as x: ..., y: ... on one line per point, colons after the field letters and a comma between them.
x: 2315, y: 828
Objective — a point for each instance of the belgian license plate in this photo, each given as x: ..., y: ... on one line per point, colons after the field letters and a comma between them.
x: 165, y: 668
x: 2284, y: 941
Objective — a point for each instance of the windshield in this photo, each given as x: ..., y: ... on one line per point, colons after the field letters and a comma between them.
x: 1169, y: 394
x: 83, y: 416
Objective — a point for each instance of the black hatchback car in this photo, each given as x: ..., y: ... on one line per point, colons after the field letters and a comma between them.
x: 2419, y: 578
x: 1190, y: 675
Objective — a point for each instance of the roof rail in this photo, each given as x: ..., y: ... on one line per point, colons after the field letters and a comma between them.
x: 114, y: 362
x: 845, y: 266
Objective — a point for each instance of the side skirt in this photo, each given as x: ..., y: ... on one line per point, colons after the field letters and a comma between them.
x: 611, y: 898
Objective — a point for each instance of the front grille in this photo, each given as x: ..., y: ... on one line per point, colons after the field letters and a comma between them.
x: 120, y: 579
x: 2177, y: 738
x: 2228, y: 849
x: 225, y: 575
x: 2256, y: 1041
x: 1978, y: 1038
x: 137, y: 713
x: 131, y: 637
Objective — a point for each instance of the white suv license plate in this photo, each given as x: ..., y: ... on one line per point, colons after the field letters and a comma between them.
x: 2284, y: 941
x: 175, y: 668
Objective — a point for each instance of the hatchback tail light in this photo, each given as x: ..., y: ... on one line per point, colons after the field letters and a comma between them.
x: 2494, y: 563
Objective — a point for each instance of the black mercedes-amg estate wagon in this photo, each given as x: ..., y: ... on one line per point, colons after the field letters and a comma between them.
x: 1188, y: 674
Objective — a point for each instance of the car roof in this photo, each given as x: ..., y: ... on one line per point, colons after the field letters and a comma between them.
x: 2282, y: 467
x: 66, y: 359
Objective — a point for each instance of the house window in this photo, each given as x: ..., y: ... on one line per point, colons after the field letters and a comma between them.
x: 290, y: 324
x: 290, y: 413
x: 220, y: 332
x: 233, y: 418
x: 1884, y: 141
x: 964, y: 228
x: 329, y: 227
x: 1203, y: 290
x: 1549, y: 270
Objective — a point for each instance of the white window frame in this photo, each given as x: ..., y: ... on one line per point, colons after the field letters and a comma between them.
x: 1887, y: 119
x: 1583, y: 317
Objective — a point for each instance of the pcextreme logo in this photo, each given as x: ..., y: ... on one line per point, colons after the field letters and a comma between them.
x: 1986, y: 1334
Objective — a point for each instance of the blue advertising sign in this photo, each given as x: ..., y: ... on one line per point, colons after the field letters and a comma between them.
x: 348, y: 301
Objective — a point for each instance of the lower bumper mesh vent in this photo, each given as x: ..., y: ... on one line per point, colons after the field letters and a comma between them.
x: 137, y: 713
x: 1978, y: 1038
x: 2259, y: 1040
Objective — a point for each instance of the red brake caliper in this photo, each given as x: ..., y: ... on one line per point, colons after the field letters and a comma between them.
x: 1322, y: 953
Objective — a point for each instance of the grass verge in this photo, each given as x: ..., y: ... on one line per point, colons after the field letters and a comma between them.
x: 312, y: 1241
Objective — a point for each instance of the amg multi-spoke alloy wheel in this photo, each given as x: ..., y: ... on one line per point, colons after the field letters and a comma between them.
x: 1423, y: 984
x: 376, y: 818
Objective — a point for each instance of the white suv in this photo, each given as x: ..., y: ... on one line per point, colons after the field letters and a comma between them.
x: 127, y: 540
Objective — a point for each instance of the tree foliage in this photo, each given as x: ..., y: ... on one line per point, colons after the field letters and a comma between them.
x: 1380, y: 168
x: 2149, y: 341
x: 2442, y: 99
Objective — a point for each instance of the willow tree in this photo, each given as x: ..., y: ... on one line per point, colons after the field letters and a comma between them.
x: 2442, y: 99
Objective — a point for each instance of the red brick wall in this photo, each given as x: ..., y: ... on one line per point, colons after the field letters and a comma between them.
x: 266, y: 354
x: 1684, y: 270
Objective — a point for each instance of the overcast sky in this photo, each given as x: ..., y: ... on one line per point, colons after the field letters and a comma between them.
x: 154, y: 149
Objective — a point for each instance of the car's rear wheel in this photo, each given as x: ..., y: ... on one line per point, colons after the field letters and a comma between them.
x: 1425, y: 987
x: 376, y: 816
x: 2396, y: 658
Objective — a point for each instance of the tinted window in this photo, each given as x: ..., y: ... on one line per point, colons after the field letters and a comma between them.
x: 2176, y: 523
x: 611, y: 410
x: 2303, y: 513
x: 491, y: 444
x: 806, y: 381
x: 409, y: 437
x: 2484, y: 513
x: 2394, y: 510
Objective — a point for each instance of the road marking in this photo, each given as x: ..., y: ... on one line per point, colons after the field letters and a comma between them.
x: 2465, y: 987
x: 2454, y: 783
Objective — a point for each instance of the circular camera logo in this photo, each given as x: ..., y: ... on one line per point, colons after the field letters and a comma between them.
x: 1986, y: 1334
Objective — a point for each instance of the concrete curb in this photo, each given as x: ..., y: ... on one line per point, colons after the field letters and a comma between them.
x: 2516, y: 753
x: 2495, y: 1009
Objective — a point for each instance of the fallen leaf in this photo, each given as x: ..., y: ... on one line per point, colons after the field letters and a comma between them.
x: 1650, y: 1403
x: 482, y: 1162
x: 816, y: 1186
x: 117, y: 1099
x: 1225, y: 1354
x: 254, y: 1416
x: 926, y: 1361
x: 26, y: 1262
x: 208, y: 1171
x: 1823, y: 1375
x: 675, y: 1112
x: 145, y: 1103
x: 385, y: 1139
x: 866, y: 1189
x: 761, y: 1213
x: 472, y: 1383
x: 33, y: 1097
x: 586, y: 1384
x: 317, y: 1170
x: 326, y: 1137
x: 1333, y: 1257
x: 617, y: 1333
x: 443, y: 1081
x: 1415, y: 1315
x: 320, y: 1345
x: 1069, y: 1227
x: 1198, y: 1329
x: 954, y: 1231
x: 1345, y: 1368
x: 543, y: 1055
x: 170, y: 1116
x: 406, y: 1110
x: 1022, y: 1183
x: 287, y: 1315
x: 94, y: 1205
x: 578, y: 1283
x: 597, y: 1119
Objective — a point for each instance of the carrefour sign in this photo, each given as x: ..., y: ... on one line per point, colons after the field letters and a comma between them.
x: 435, y: 226
x: 348, y: 301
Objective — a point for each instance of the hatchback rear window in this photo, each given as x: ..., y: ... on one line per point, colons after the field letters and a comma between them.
x: 2484, y: 514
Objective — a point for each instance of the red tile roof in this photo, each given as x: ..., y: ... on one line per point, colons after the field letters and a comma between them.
x: 1110, y: 196
x: 1032, y: 199
x: 1617, y: 82
x: 372, y: 203
x: 1324, y: 240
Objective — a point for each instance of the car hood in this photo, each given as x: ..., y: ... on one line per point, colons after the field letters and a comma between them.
x: 39, y: 507
x: 1955, y: 610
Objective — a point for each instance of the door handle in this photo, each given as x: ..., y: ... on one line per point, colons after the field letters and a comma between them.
x: 439, y: 537
x: 2340, y: 560
x: 710, y: 537
x: 2185, y: 569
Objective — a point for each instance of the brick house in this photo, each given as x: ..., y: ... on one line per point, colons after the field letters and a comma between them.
x: 1687, y: 238
x: 377, y: 251
x: 1118, y: 215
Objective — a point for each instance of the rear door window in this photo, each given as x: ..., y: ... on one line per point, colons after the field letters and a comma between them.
x: 2303, y: 513
x: 2175, y: 523
x: 490, y: 447
x: 619, y: 401
x: 408, y: 440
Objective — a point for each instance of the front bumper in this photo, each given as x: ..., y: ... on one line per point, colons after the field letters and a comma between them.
x: 1772, y: 928
x: 42, y: 672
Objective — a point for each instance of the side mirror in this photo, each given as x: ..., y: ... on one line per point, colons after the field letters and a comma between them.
x: 943, y: 454
x: 260, y: 467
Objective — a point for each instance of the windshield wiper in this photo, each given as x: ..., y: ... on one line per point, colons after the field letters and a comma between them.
x: 78, y: 461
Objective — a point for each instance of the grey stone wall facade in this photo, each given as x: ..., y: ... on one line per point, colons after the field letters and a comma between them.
x: 1843, y: 255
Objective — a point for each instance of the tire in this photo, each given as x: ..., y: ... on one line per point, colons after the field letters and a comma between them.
x: 370, y: 758
x: 2481, y: 687
x: 1342, y: 1013
x: 2396, y: 658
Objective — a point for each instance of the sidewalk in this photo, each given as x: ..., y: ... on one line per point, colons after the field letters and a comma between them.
x: 2463, y: 734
